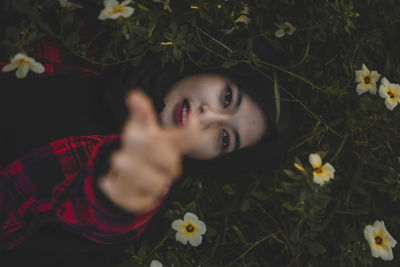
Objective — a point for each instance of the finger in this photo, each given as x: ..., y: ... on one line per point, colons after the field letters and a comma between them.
x: 185, y: 138
x: 141, y: 108
x: 139, y: 203
x: 138, y: 175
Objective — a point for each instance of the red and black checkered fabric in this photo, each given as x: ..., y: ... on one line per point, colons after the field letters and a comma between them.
x: 56, y: 183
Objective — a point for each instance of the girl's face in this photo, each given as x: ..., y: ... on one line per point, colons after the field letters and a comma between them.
x: 229, y: 119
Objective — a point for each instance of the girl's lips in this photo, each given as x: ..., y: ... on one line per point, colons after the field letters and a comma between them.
x: 182, y: 113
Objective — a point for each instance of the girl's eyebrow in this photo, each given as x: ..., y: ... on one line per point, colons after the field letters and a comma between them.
x: 237, y: 139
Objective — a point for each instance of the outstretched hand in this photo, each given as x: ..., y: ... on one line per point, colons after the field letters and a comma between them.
x: 150, y: 158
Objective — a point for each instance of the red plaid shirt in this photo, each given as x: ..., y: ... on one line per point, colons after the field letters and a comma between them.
x: 69, y: 198
x: 56, y: 182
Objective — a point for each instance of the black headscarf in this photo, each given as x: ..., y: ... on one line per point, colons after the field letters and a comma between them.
x: 156, y: 80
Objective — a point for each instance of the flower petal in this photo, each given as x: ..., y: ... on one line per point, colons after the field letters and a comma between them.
x: 9, y: 67
x: 126, y: 2
x: 390, y: 104
x: 195, y: 240
x: 317, y: 179
x: 114, y: 16
x: 201, y: 227
x: 103, y: 15
x: 279, y: 33
x: 386, y: 253
x: 364, y: 68
x: 361, y: 89
x: 177, y: 225
x: 385, y: 81
x: 37, y: 67
x: 359, y: 74
x: 315, y: 160
x: 18, y: 57
x: 155, y: 263
x: 108, y: 3
x: 22, y: 71
x: 329, y: 169
x: 179, y: 236
x: 375, y: 75
x: 372, y: 89
x: 128, y: 12
x: 382, y: 91
x: 369, y: 231
x: 190, y: 216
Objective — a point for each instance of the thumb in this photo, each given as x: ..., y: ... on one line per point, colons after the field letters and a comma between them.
x: 185, y: 138
x: 141, y: 108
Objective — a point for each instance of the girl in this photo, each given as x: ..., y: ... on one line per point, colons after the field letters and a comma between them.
x: 109, y: 174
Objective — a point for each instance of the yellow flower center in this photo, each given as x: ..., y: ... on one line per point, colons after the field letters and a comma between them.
x: 286, y: 27
x: 390, y: 93
x: 378, y: 240
x: 23, y: 62
x: 116, y: 9
x: 367, y: 79
x: 189, y: 228
x: 318, y: 170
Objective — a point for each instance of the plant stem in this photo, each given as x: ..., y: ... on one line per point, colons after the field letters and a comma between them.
x: 253, y: 246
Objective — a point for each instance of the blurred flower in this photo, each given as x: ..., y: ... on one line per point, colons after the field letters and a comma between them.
x: 194, y: 7
x: 321, y: 174
x: 190, y: 229
x: 284, y: 28
x: 165, y: 3
x: 391, y: 92
x: 244, y: 17
x: 299, y: 167
x: 23, y: 64
x: 69, y: 5
x: 155, y: 263
x: 166, y: 43
x: 113, y: 10
x: 366, y: 80
x: 380, y: 241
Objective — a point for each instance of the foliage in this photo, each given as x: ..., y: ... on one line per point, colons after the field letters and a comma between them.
x: 279, y: 219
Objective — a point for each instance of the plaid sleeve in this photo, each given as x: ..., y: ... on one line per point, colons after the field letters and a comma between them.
x: 82, y: 208
x: 57, y: 183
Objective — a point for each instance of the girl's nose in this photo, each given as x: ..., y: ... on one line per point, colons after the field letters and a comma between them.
x: 209, y: 116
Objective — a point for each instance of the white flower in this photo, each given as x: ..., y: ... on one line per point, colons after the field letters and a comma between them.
x: 69, y: 5
x: 284, y: 28
x: 244, y: 17
x: 380, y: 241
x: 23, y: 64
x: 366, y: 80
x: 391, y: 93
x: 113, y: 10
x: 321, y: 174
x: 190, y: 229
x: 155, y: 263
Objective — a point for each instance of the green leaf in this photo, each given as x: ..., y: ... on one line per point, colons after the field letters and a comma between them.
x: 245, y: 205
x: 191, y: 207
x: 260, y: 195
x: 227, y: 188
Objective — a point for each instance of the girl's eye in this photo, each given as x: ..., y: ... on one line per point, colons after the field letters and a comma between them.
x: 228, y: 97
x: 225, y: 139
